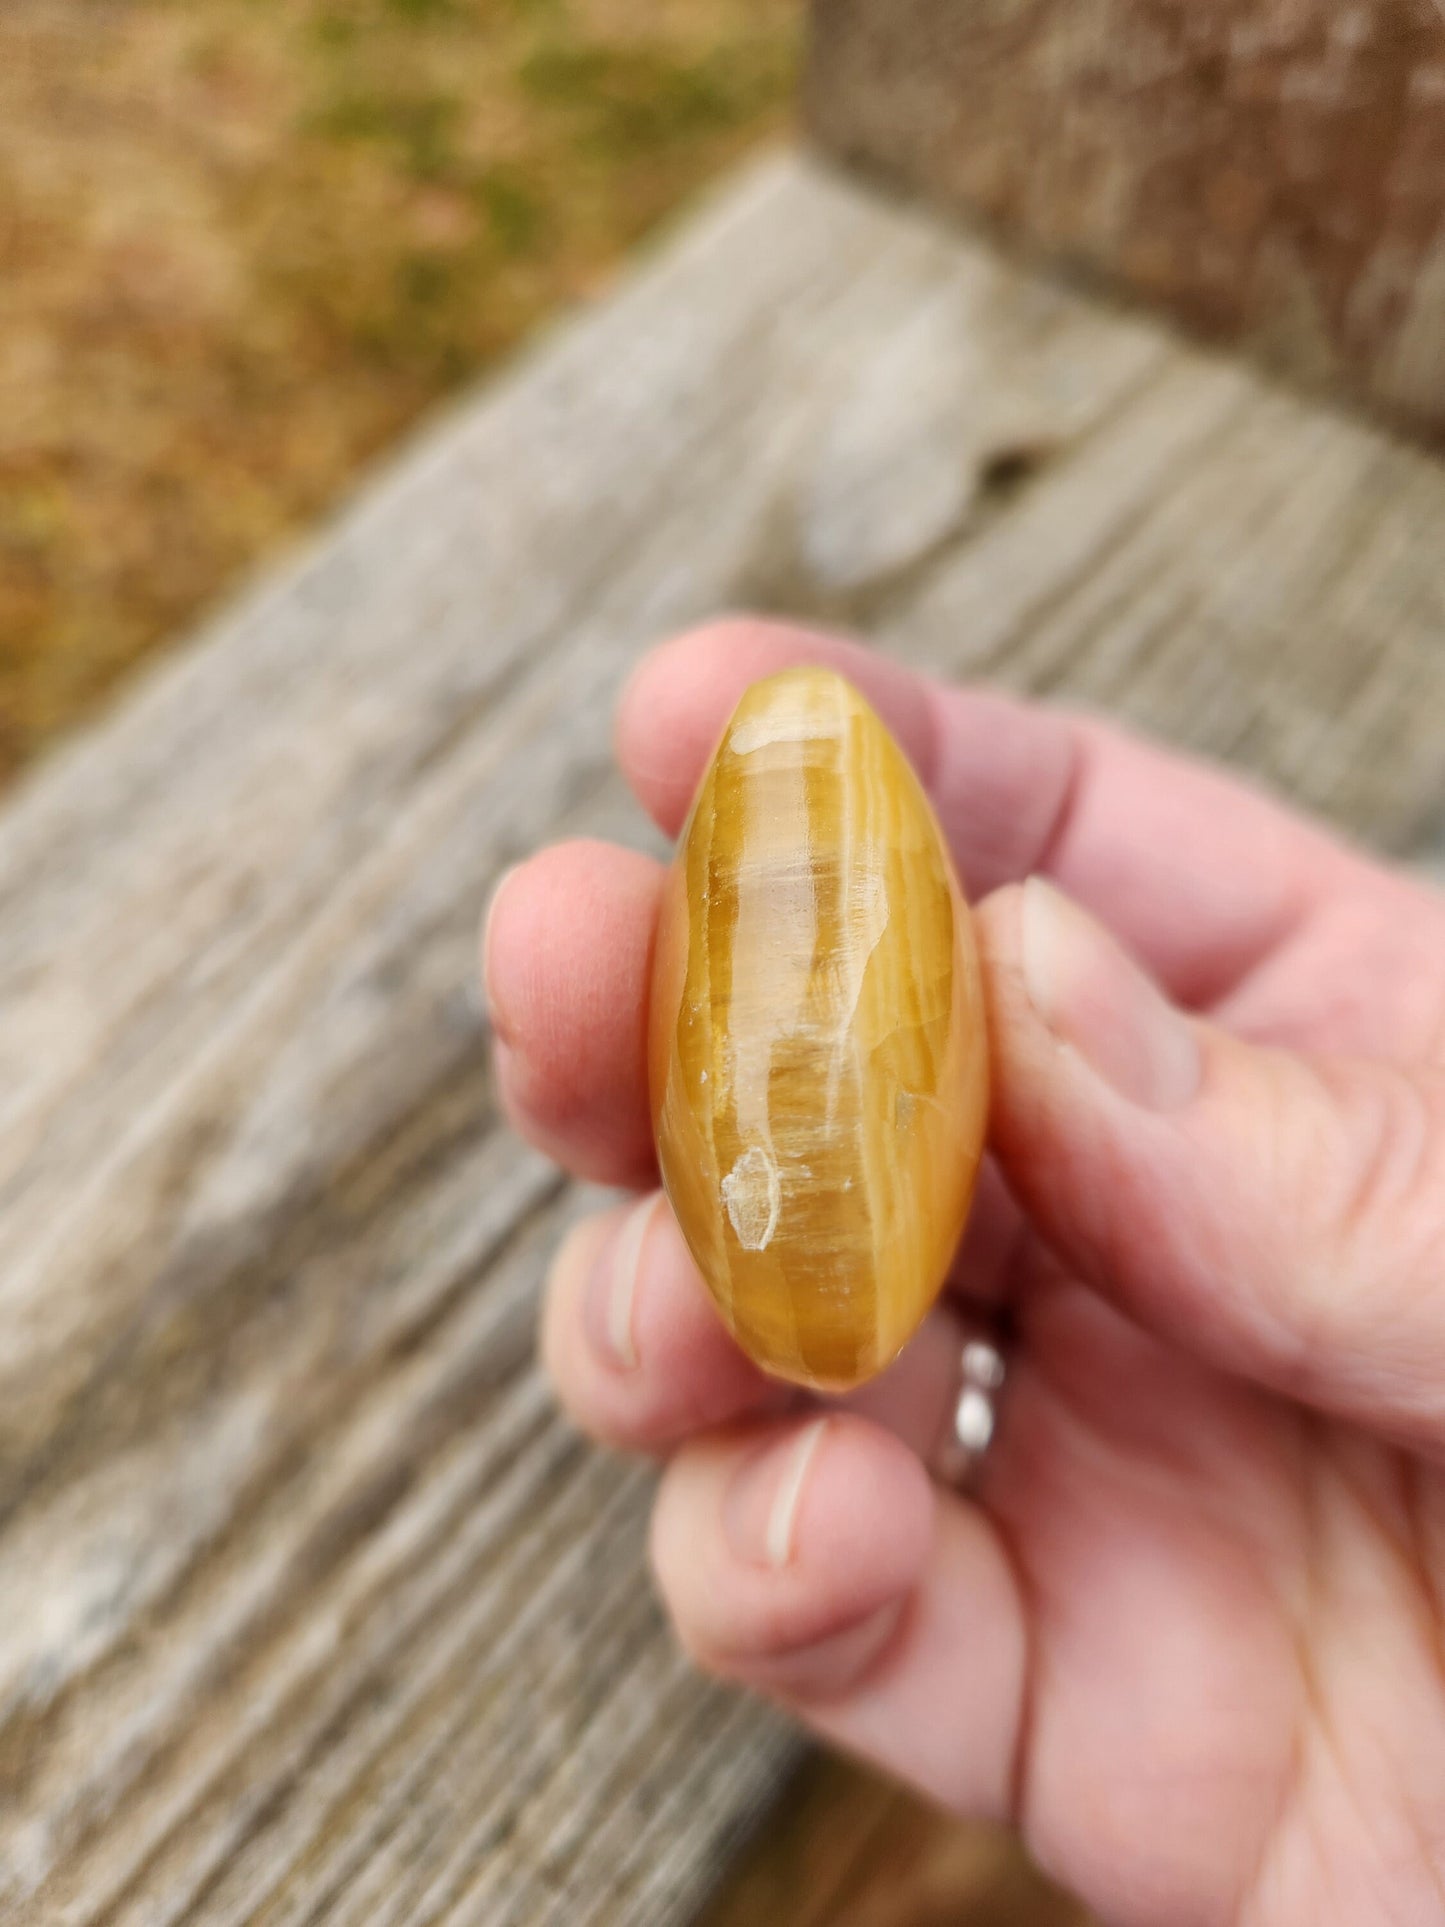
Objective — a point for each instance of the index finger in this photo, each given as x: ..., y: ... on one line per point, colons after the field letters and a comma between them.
x: 1199, y: 875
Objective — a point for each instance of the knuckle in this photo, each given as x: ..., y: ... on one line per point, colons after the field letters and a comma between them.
x: 1363, y: 1192
x: 1392, y: 1159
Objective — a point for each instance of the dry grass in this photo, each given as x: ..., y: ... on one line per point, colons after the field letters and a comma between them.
x: 243, y: 243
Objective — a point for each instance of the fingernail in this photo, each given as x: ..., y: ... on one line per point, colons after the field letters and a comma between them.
x: 1097, y: 1000
x: 489, y: 924
x: 613, y: 1289
x: 761, y: 1507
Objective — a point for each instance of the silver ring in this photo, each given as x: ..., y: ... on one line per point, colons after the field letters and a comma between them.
x: 972, y: 1418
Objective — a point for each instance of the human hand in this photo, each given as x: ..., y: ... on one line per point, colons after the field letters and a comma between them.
x: 1189, y: 1636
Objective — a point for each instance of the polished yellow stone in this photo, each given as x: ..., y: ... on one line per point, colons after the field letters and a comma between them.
x: 817, y: 1050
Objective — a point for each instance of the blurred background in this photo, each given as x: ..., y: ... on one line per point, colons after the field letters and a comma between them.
x: 245, y: 243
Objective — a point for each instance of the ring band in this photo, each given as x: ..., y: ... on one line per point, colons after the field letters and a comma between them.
x: 972, y: 1417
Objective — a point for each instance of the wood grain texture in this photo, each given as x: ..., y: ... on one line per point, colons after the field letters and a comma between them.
x: 1272, y: 171
x: 313, y: 1611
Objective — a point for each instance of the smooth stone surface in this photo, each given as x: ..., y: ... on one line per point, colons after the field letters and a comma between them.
x: 817, y: 1048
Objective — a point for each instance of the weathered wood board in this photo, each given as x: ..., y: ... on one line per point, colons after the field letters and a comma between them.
x: 310, y: 1609
x: 1271, y: 170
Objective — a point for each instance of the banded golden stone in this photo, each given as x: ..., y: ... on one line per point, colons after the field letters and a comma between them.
x: 817, y: 1051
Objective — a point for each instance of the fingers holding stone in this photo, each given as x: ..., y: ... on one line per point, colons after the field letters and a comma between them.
x: 640, y: 1356
x: 682, y: 693
x: 631, y: 1341
x: 811, y: 1559
x: 1199, y: 874
x: 565, y: 961
x: 772, y: 1540
x: 1278, y: 1214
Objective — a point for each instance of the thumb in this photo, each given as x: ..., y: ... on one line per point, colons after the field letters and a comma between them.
x: 1280, y: 1215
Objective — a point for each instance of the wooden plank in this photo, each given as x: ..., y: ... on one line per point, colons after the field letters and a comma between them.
x: 313, y: 1610
x: 1272, y: 171
x: 844, y: 1849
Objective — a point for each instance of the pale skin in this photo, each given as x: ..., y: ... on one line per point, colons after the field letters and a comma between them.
x: 1189, y: 1634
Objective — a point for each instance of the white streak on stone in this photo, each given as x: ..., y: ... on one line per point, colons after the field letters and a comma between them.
x: 762, y: 732
x: 753, y: 1194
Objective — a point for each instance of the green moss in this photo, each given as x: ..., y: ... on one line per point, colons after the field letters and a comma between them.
x: 425, y: 280
x: 639, y: 98
x: 564, y: 73
x: 420, y: 9
x: 539, y: 13
x: 419, y: 128
x: 335, y: 31
x: 515, y: 214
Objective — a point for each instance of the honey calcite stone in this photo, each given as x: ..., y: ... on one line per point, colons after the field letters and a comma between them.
x: 817, y: 1051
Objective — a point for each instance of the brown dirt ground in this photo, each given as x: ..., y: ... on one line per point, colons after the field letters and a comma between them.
x: 244, y: 243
